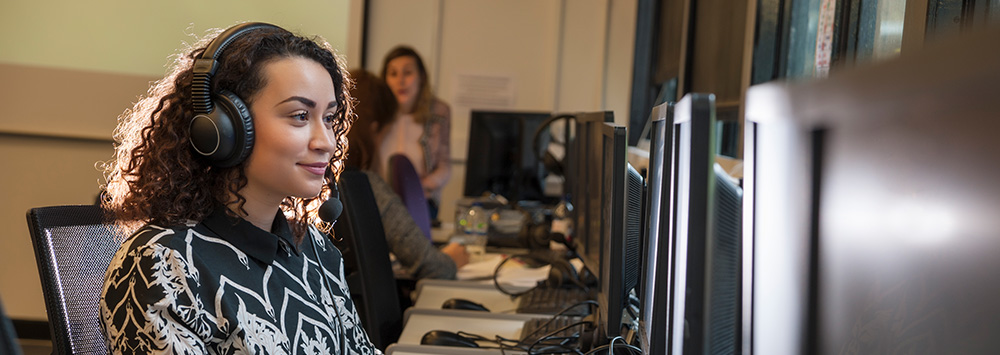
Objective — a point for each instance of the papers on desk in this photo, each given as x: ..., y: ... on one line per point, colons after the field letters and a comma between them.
x: 514, y: 272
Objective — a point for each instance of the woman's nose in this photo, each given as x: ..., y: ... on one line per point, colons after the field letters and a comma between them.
x: 322, y: 138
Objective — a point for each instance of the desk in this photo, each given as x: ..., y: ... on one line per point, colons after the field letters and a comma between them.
x: 408, y: 349
x: 514, y: 272
x: 430, y: 294
x: 417, y: 322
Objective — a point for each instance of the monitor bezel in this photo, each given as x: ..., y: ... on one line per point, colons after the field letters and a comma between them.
x: 654, y: 293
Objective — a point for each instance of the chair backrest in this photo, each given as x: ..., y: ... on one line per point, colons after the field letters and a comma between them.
x: 73, y: 247
x: 361, y: 240
x: 8, y: 337
x: 404, y: 180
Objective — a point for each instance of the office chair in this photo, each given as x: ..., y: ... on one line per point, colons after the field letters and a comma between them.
x: 8, y: 337
x: 361, y: 239
x: 73, y: 247
x: 404, y: 180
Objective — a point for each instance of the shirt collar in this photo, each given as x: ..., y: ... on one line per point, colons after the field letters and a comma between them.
x: 255, y: 242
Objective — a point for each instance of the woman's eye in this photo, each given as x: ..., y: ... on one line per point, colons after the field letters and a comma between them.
x: 301, y: 116
x: 330, y: 119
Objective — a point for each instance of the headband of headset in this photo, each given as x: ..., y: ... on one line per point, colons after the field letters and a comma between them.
x: 207, y: 64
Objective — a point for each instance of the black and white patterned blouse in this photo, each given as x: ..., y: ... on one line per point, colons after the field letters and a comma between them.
x: 224, y: 286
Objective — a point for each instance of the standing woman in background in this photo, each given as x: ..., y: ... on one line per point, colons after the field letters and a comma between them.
x: 223, y: 166
x: 422, y: 127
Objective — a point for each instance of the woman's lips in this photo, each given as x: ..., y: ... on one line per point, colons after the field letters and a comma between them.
x: 316, y: 168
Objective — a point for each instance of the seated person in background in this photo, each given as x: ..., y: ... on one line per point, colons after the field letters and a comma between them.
x: 228, y: 254
x: 421, y: 128
x: 407, y: 242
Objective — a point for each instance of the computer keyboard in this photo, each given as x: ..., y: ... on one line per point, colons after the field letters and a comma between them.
x: 549, y: 300
x: 538, y: 327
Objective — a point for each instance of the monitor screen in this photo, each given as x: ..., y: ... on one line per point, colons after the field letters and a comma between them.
x: 706, y: 288
x: 654, y: 292
x: 500, y: 156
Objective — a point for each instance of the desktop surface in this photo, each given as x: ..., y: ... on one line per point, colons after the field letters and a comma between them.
x: 433, y: 293
x: 420, y: 321
x: 409, y: 349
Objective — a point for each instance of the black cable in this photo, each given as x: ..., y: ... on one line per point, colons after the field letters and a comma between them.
x: 497, y: 283
x: 553, y: 318
x: 551, y: 336
x: 632, y: 349
x: 499, y: 341
x: 504, y: 344
x: 563, y: 311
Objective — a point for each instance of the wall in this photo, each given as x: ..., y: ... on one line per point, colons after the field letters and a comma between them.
x: 69, y: 68
x: 561, y: 56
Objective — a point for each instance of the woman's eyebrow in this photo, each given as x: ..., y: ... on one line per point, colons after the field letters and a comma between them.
x: 305, y: 101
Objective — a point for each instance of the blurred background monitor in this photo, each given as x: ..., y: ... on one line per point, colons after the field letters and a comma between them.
x: 582, y: 170
x: 872, y: 204
x: 500, y: 156
x: 705, y: 317
x: 586, y: 201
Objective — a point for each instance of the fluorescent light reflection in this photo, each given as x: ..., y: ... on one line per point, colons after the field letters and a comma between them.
x: 912, y: 220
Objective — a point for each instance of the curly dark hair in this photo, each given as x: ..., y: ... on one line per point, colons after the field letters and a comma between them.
x: 155, y: 177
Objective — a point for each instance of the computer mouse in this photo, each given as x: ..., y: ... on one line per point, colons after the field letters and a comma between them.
x: 458, y: 303
x: 446, y: 338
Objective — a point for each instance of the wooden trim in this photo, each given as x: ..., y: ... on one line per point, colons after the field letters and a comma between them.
x: 746, y: 75
x: 686, y: 52
x: 64, y: 137
x: 914, y: 26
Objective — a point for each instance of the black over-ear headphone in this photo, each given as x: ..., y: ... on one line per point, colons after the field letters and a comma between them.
x: 221, y: 129
x: 563, y: 274
x: 550, y: 162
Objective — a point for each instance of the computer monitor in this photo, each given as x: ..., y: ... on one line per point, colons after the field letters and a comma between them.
x: 705, y: 316
x: 615, y: 249
x: 631, y: 246
x: 872, y: 204
x: 500, y: 156
x: 587, y: 201
x: 654, y: 291
x: 582, y: 170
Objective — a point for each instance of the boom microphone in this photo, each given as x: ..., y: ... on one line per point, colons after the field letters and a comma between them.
x: 330, y: 210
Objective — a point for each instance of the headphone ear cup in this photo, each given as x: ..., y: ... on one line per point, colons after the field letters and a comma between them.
x: 224, y: 136
x: 539, y: 237
x: 562, y: 273
x: 556, y: 276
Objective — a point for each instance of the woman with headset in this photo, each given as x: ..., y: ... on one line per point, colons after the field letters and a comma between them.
x: 221, y: 171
